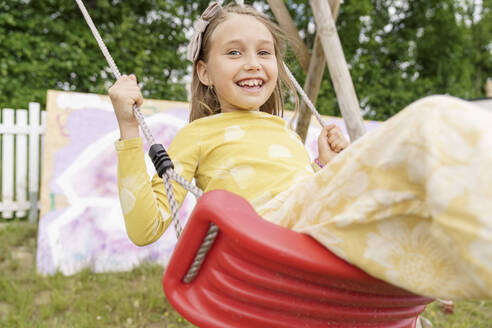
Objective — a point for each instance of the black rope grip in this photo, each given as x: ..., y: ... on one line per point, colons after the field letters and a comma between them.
x: 160, y: 158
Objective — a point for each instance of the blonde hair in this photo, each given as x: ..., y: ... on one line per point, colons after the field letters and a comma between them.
x: 204, y: 101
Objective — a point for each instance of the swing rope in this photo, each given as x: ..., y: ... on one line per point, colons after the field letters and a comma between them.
x: 304, y: 96
x: 162, y: 162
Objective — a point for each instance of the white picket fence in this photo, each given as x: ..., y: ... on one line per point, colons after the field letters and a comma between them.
x: 21, y: 134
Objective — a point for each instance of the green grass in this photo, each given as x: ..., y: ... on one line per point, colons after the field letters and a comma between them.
x: 27, y: 299
x: 467, y: 314
x: 130, y: 299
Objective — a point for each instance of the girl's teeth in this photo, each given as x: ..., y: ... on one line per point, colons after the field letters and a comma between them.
x: 251, y: 83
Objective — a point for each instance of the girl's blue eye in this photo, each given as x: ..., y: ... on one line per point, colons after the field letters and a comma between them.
x: 264, y: 53
x: 234, y: 53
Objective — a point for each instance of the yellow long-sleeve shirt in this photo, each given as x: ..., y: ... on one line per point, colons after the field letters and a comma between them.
x: 253, y: 154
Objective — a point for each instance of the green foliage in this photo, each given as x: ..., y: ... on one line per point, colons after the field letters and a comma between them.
x: 46, y: 44
x: 400, y: 51
x: 397, y: 51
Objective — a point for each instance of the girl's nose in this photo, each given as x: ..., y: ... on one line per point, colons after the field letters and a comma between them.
x: 251, y: 67
x: 252, y: 64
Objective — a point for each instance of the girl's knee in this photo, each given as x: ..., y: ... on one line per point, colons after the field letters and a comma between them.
x: 432, y: 108
x: 437, y: 103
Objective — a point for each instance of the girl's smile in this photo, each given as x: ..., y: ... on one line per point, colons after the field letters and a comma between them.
x: 241, y: 65
x: 252, y: 85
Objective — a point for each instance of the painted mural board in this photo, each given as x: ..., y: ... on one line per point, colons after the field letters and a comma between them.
x: 81, y: 224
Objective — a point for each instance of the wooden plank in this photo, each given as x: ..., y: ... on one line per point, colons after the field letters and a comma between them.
x: 488, y: 88
x: 8, y: 165
x: 34, y: 110
x: 287, y: 25
x: 21, y: 162
x: 43, y: 125
x: 337, y: 65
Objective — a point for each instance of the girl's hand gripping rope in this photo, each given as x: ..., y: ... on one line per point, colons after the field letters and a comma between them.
x: 331, y: 141
x: 123, y: 94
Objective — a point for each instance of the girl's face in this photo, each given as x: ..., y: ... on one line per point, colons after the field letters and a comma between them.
x: 241, y: 65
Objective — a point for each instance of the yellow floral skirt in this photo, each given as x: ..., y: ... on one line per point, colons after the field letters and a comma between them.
x: 409, y: 203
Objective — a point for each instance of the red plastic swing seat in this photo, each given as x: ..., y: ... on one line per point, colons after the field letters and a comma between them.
x: 258, y: 274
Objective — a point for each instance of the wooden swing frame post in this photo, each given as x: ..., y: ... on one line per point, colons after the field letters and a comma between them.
x: 286, y: 23
x: 313, y: 65
x: 314, y: 77
x: 311, y: 87
x: 339, y: 72
x: 325, y: 17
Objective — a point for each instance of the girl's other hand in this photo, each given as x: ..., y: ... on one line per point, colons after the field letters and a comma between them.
x: 331, y: 141
x: 123, y: 94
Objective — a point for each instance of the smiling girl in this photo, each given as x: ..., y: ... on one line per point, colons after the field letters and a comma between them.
x: 403, y: 203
